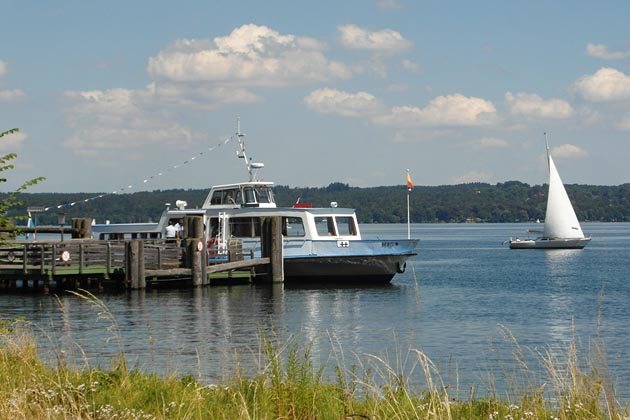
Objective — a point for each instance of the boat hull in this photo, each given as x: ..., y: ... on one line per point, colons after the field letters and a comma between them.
x: 547, y: 243
x: 366, y: 269
x: 369, y: 261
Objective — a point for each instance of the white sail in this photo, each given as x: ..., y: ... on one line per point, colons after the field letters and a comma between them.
x: 560, y: 220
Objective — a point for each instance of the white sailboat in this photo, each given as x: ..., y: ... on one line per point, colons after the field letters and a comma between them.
x: 562, y: 229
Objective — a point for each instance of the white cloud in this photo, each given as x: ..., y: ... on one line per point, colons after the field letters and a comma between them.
x: 489, y: 143
x: 602, y: 51
x: 568, y: 151
x: 331, y: 101
x: 384, y: 41
x: 200, y: 96
x: 450, y: 110
x: 411, y: 66
x: 104, y: 123
x: 474, y: 176
x: 532, y: 105
x: 251, y: 55
x: 607, y: 84
x: 11, y: 95
x: 12, y: 142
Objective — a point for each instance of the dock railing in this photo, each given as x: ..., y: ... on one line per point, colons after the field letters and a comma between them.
x: 135, y: 262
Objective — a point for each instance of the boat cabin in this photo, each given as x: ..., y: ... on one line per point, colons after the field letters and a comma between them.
x: 297, y: 224
x: 244, y: 194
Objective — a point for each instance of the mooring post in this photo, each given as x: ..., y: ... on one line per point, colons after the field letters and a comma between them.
x: 271, y: 247
x: 53, y: 263
x: 134, y: 271
x: 131, y: 264
x: 82, y: 228
x: 196, y: 249
x: 277, y: 252
x: 109, y: 259
x: 142, y: 281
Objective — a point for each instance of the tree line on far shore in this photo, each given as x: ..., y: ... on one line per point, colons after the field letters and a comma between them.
x: 511, y: 201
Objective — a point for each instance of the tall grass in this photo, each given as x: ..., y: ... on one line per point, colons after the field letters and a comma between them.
x: 288, y: 385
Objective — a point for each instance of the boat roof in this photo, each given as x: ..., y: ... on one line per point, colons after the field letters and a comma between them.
x: 243, y: 184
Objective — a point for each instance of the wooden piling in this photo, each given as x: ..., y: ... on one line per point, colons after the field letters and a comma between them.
x: 81, y: 228
x: 271, y: 247
x: 194, y: 261
x: 195, y: 249
x: 134, y: 271
x: 277, y: 255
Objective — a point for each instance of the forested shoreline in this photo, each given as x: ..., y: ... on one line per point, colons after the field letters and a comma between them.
x: 511, y: 201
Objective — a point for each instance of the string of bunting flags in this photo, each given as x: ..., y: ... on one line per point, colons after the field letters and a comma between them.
x: 146, y: 180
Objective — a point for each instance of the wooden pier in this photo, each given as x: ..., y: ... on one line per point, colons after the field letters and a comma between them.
x: 136, y: 263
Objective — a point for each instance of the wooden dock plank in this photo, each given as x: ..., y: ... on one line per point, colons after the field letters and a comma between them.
x: 235, y: 265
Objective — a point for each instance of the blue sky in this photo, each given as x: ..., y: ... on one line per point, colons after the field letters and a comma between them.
x: 109, y: 95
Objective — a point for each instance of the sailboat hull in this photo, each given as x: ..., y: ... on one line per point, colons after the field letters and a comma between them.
x: 549, y: 243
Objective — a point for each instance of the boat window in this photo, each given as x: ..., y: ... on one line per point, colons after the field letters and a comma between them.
x: 325, y: 226
x: 217, y: 198
x: 292, y: 226
x: 229, y: 197
x: 239, y: 197
x: 245, y: 227
x: 226, y: 197
x: 263, y: 194
x: 249, y: 195
x: 345, y: 226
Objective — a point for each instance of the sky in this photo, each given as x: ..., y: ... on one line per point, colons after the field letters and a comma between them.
x: 143, y: 95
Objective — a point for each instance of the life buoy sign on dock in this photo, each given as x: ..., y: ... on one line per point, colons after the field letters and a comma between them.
x: 65, y: 255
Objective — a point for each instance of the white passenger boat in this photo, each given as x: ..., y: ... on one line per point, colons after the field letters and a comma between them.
x: 318, y: 243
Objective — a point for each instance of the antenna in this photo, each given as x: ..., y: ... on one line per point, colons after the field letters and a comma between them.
x: 251, y: 166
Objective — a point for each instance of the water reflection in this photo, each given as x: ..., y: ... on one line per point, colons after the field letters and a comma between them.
x: 450, y: 311
x: 559, y: 261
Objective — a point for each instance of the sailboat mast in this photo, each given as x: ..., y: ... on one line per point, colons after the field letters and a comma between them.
x: 547, y: 148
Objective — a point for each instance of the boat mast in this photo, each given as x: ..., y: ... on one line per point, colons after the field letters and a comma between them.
x: 547, y: 146
x: 251, y: 166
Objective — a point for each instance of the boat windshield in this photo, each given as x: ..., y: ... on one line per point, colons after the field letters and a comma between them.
x: 250, y: 198
x: 264, y: 195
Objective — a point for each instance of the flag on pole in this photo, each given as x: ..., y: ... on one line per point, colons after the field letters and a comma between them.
x: 409, y: 181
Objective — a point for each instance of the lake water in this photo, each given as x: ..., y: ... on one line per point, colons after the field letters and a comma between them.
x: 459, y: 301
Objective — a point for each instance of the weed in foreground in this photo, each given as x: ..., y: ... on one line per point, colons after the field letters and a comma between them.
x: 290, y: 386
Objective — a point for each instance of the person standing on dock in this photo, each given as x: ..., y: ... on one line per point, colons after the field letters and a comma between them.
x: 180, y: 228
x: 172, y: 232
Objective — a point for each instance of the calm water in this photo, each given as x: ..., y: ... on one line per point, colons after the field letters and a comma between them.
x: 454, y: 303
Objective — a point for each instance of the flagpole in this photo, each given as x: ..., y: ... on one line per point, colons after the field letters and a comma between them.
x: 408, y: 219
